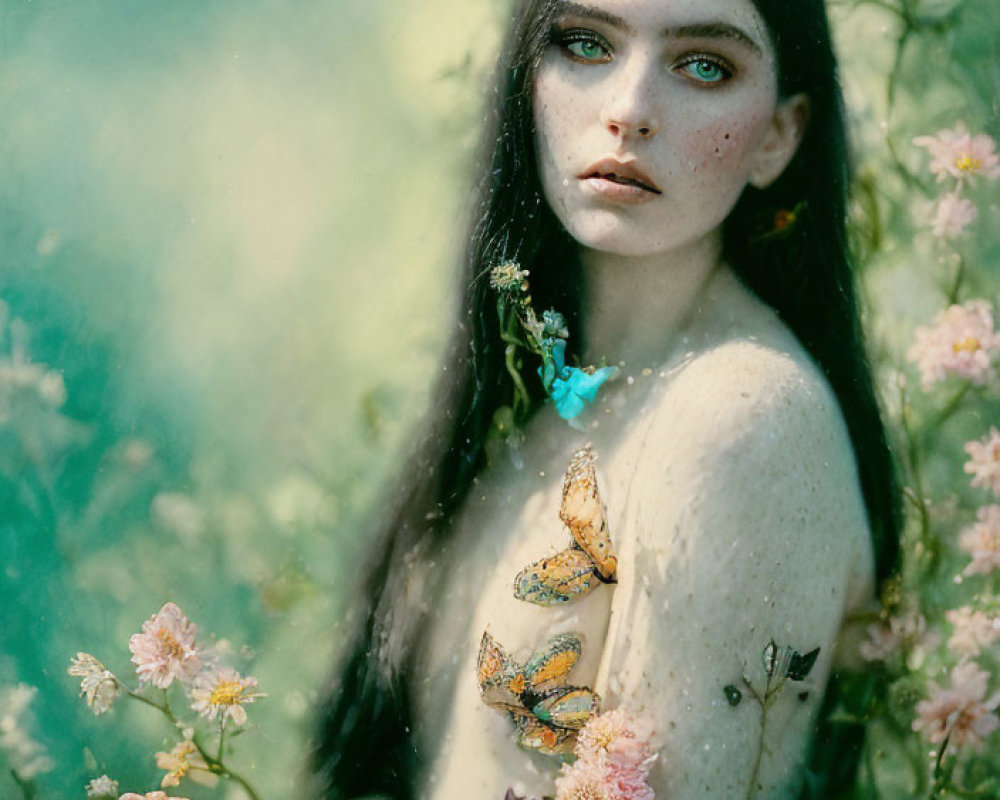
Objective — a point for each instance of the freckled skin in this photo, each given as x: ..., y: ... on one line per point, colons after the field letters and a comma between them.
x: 706, y: 136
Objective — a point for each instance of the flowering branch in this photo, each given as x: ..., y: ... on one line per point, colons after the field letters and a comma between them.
x: 166, y: 651
x: 571, y: 389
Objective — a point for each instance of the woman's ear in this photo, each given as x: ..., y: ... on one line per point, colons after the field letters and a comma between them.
x: 788, y: 126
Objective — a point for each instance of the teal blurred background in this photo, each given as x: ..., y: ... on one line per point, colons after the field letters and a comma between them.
x: 227, y: 239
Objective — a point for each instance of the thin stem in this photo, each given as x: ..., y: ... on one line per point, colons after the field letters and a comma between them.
x: 952, y: 405
x: 228, y: 773
x: 27, y: 787
x: 916, y: 493
x: 956, y: 284
x: 214, y: 764
x: 940, y: 779
x: 764, y: 703
x: 520, y: 390
x: 222, y: 735
x: 870, y: 764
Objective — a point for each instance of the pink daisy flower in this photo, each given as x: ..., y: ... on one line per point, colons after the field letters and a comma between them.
x: 960, y: 342
x: 224, y: 692
x: 958, y: 153
x: 972, y: 631
x: 165, y: 649
x: 984, y: 461
x: 959, y: 714
x: 953, y: 215
x: 982, y: 541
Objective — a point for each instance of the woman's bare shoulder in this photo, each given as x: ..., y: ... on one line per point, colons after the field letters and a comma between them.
x: 751, y: 434
x: 743, y: 390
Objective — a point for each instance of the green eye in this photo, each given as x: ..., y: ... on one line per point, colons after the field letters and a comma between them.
x: 705, y: 70
x: 586, y: 46
x: 587, y: 49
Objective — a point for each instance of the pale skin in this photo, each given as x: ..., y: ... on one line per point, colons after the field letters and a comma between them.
x: 727, y: 471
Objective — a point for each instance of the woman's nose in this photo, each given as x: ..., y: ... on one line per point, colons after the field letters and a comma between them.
x: 631, y: 107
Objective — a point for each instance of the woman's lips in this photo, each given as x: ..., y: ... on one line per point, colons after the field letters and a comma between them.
x: 619, y: 182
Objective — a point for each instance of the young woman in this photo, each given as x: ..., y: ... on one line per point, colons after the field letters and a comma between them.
x: 672, y: 174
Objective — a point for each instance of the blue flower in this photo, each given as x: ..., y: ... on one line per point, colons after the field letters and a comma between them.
x: 570, y: 388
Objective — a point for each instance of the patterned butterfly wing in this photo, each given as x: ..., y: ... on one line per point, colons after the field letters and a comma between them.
x: 547, y: 668
x: 501, y: 680
x: 583, y: 514
x: 556, y: 579
x: 570, y: 707
x: 533, y: 734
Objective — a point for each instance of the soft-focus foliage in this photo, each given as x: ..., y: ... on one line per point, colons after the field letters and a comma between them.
x: 227, y: 236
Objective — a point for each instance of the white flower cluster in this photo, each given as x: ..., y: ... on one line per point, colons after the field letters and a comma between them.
x: 26, y: 757
x: 20, y: 379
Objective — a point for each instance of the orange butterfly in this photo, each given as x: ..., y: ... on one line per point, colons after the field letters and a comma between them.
x: 546, y: 712
x: 590, y: 560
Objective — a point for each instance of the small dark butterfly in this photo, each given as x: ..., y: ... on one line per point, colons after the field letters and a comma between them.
x: 784, y: 662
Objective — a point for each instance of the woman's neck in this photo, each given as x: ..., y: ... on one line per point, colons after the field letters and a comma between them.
x: 636, y: 306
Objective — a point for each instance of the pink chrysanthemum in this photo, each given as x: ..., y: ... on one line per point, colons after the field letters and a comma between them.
x: 224, y: 692
x: 618, y: 736
x: 885, y: 640
x: 984, y: 461
x: 629, y: 782
x: 959, y: 714
x: 958, y: 153
x: 960, y: 342
x: 165, y: 649
x: 982, y: 541
x: 953, y: 215
x: 972, y: 631
x: 585, y: 780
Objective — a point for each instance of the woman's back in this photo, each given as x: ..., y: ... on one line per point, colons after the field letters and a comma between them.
x: 733, y: 502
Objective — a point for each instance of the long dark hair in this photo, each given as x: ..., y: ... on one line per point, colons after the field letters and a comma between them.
x: 365, y: 745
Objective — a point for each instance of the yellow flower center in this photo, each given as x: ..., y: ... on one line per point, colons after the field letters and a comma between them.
x: 226, y: 693
x: 967, y: 163
x: 603, y: 740
x: 172, y: 647
x: 970, y: 344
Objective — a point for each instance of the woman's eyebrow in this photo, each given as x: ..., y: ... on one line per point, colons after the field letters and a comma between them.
x: 700, y: 30
x: 569, y: 8
x: 715, y: 30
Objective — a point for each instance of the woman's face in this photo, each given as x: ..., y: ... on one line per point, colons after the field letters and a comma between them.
x: 651, y: 117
